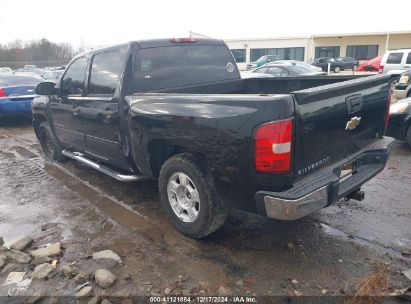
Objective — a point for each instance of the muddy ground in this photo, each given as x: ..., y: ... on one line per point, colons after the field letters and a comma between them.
x: 332, y: 253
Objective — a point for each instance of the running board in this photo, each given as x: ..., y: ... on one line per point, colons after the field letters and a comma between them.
x: 110, y: 172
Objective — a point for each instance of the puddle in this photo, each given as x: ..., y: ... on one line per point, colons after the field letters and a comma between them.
x: 170, y: 239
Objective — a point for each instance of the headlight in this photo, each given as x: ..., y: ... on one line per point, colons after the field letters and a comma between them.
x: 398, y: 107
x: 404, y: 79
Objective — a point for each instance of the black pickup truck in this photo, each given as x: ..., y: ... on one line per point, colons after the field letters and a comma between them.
x: 177, y: 110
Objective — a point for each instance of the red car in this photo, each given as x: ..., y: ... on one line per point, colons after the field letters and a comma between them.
x: 372, y: 65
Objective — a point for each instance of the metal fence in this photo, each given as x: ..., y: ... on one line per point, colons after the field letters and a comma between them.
x: 40, y: 64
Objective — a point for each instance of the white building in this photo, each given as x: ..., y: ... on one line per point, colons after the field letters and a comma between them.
x: 361, y: 46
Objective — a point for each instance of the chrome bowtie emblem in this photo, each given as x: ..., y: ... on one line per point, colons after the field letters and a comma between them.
x: 353, y: 123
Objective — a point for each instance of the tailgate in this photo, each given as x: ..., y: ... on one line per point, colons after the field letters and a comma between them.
x: 337, y: 120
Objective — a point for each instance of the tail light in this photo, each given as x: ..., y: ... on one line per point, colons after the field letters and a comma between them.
x: 273, y: 147
x: 380, y: 69
x: 183, y: 40
x: 3, y: 93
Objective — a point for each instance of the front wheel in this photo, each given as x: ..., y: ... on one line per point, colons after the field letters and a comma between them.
x: 49, y: 143
x: 189, y: 197
x: 337, y: 69
x: 355, y: 67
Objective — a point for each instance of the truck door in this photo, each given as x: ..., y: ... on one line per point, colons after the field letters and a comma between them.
x: 100, y: 109
x: 65, y: 106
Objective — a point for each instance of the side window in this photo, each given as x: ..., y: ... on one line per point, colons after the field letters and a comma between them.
x: 409, y: 58
x: 276, y: 72
x: 105, y: 73
x: 395, y: 58
x: 73, y: 80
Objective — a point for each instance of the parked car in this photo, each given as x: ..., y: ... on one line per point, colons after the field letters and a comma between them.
x: 16, y: 93
x: 287, y: 69
x: 302, y: 63
x: 250, y: 74
x: 349, y: 63
x: 335, y: 65
x: 396, y: 62
x: 372, y: 65
x: 403, y: 87
x: 53, y: 75
x: 29, y: 68
x: 6, y: 70
x: 177, y: 111
x: 261, y: 61
x: 400, y: 120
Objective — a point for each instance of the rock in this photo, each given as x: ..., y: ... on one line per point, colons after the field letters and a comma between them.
x: 147, y: 283
x: 239, y: 283
x: 94, y: 300
x: 168, y: 291
x: 3, y: 249
x: 41, y: 271
x: 224, y: 291
x: 294, y: 281
x: 12, y: 267
x: 107, y: 254
x: 22, y: 244
x: 67, y: 271
x: 104, y: 278
x: 18, y: 256
x: 51, y: 250
x: 40, y: 260
x: 297, y: 293
x: 1, y: 241
x: 2, y: 263
x: 122, y: 293
x: 127, y: 301
x: 105, y: 301
x: 34, y: 298
x: 83, y: 277
x: 407, y: 274
x: 86, y: 291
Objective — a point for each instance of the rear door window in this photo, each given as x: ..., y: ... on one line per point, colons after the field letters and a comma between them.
x: 395, y: 58
x: 409, y: 58
x: 182, y: 65
x: 105, y: 73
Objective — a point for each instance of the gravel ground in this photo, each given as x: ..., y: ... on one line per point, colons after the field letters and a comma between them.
x: 335, y: 252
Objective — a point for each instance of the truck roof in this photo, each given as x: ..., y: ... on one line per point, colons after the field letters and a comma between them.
x: 150, y: 43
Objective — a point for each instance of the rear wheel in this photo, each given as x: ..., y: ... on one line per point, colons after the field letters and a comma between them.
x: 355, y: 67
x: 189, y: 197
x: 337, y: 69
x: 49, y: 143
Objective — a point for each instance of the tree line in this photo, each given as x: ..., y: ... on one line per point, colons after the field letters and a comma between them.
x: 39, y: 52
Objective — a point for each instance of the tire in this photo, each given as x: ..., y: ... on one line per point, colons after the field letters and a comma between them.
x: 337, y: 69
x: 207, y: 212
x: 408, y: 136
x: 355, y: 67
x: 409, y: 92
x: 49, y: 143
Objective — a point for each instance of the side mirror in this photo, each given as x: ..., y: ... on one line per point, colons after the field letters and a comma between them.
x: 45, y: 88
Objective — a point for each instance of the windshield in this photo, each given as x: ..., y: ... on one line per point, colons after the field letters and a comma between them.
x: 301, y: 69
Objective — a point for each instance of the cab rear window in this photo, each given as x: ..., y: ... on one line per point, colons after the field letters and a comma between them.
x: 182, y: 65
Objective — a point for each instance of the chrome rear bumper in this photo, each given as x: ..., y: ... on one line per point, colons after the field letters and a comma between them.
x: 284, y: 209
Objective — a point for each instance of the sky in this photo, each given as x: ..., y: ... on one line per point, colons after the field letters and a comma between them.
x: 100, y: 23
